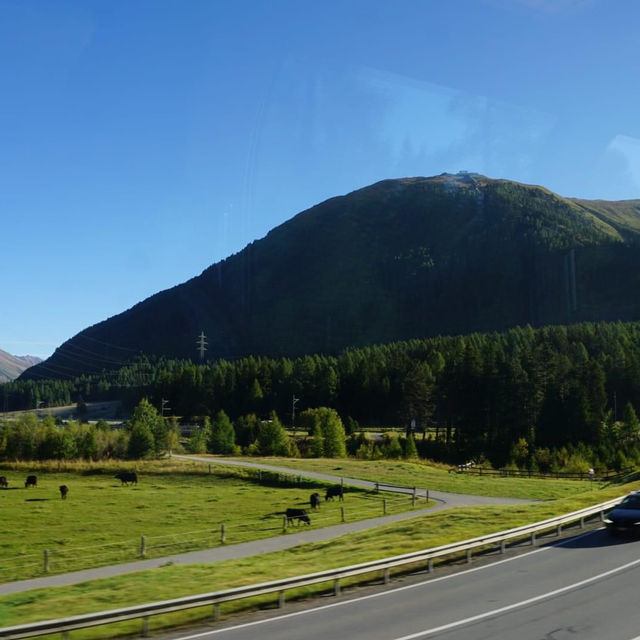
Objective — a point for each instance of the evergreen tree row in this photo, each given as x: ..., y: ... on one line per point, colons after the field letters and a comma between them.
x: 481, y: 395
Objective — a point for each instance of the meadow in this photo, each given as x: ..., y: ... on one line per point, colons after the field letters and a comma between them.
x: 176, y: 507
x: 435, y: 476
x: 166, y: 582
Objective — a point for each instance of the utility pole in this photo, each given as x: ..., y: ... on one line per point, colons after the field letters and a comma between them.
x: 293, y: 411
x: 201, y: 342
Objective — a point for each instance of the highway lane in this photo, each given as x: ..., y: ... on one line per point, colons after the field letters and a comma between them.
x: 585, y: 587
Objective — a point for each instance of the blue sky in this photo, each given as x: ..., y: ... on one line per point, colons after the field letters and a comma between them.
x: 144, y: 140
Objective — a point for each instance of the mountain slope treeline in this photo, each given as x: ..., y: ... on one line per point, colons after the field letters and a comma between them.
x: 496, y: 395
x: 400, y: 259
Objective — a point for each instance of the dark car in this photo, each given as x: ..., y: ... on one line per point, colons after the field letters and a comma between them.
x: 625, y: 517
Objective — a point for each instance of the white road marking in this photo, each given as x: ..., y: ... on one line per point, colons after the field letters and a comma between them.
x: 516, y: 605
x: 413, y: 586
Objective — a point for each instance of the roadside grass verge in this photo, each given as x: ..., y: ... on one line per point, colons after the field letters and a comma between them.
x: 176, y: 507
x: 421, y: 532
x: 425, y: 475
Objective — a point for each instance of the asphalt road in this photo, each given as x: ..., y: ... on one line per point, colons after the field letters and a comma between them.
x: 585, y: 587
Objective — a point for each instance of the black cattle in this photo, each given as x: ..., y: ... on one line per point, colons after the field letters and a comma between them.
x: 63, y: 491
x: 3, y: 482
x: 334, y: 491
x: 31, y: 481
x: 126, y: 477
x: 314, y: 500
x: 300, y: 515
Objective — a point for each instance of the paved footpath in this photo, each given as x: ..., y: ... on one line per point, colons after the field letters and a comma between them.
x: 276, y: 543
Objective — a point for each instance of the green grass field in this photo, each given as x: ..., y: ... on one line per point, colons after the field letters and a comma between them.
x: 436, y: 477
x: 176, y: 508
x: 173, y: 581
x: 178, y: 505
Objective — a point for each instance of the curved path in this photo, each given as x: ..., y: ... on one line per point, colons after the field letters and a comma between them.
x: 255, y: 547
x: 445, y: 500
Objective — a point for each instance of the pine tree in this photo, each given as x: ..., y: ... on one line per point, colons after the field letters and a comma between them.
x: 223, y: 436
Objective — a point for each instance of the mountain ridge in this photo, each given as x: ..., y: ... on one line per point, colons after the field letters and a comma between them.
x: 401, y: 258
x: 12, y: 366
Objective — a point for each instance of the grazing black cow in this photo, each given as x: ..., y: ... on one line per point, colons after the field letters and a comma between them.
x: 63, y: 491
x: 31, y: 481
x: 314, y: 500
x: 334, y: 491
x: 300, y: 515
x: 126, y: 477
x: 3, y: 482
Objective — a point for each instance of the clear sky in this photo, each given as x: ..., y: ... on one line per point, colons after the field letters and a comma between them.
x: 143, y: 140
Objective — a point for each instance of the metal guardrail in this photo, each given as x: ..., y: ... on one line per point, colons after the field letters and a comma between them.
x: 215, y: 598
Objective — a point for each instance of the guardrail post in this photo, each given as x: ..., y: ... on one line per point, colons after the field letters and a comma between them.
x: 385, y: 575
x: 427, y: 495
x: 502, y: 545
x: 413, y: 498
x: 559, y: 530
x: 216, y: 611
x: 46, y: 560
x: 582, y: 522
x: 468, y: 556
x: 384, y: 506
x: 430, y: 565
x: 602, y: 516
x: 143, y: 546
x: 377, y: 488
x: 336, y: 587
x: 342, y: 514
x: 145, y: 627
x: 533, y: 538
x: 223, y: 533
x: 281, y: 600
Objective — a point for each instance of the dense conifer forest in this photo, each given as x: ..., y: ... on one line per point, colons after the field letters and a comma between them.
x: 530, y: 397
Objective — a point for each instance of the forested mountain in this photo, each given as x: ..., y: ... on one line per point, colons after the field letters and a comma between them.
x: 400, y: 259
x: 12, y: 366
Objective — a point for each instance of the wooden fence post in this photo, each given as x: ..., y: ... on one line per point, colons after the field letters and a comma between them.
x: 384, y: 506
x: 143, y: 546
x: 342, y: 513
x: 223, y: 533
x: 284, y: 524
x: 46, y: 560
